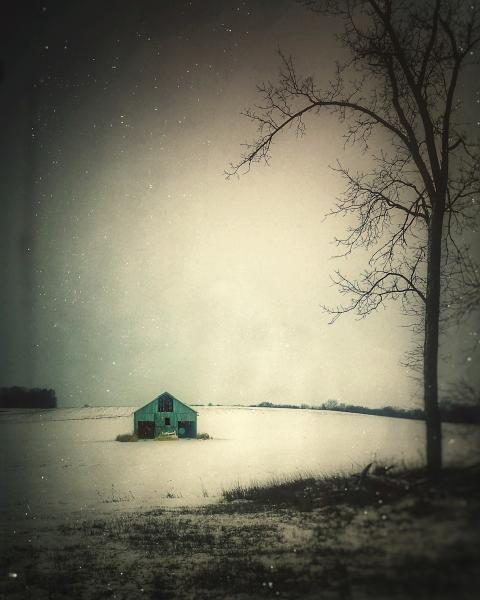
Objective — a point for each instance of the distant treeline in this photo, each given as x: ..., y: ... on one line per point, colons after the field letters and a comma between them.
x: 459, y: 413
x: 450, y: 413
x: 20, y: 397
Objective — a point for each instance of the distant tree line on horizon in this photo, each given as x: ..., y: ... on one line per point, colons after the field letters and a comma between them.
x: 20, y: 397
x: 450, y: 412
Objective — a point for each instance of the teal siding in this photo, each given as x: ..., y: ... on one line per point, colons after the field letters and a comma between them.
x: 167, y: 422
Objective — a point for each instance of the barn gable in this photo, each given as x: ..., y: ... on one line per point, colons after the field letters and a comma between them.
x: 165, y: 415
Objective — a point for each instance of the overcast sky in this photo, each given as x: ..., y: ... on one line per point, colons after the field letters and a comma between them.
x: 147, y: 270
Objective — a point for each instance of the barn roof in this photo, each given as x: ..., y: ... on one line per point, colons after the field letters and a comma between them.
x: 167, y: 395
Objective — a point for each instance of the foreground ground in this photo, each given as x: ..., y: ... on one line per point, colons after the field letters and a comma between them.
x: 376, y: 534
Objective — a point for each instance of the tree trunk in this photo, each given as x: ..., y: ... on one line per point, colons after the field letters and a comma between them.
x: 430, y: 362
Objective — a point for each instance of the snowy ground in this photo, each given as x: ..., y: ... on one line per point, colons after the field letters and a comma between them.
x: 83, y: 516
x: 66, y: 460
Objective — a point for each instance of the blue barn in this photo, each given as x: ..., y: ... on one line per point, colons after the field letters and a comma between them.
x: 165, y: 415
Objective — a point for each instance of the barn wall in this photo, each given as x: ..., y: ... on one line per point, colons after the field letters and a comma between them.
x: 146, y: 413
x: 185, y: 413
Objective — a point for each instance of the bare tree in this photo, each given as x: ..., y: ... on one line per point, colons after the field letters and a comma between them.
x: 398, y: 92
x: 464, y: 287
x: 462, y: 393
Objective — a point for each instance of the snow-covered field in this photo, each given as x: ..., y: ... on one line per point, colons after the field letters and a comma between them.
x: 66, y: 460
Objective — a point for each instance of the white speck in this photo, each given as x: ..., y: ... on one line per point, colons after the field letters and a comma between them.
x: 13, y: 575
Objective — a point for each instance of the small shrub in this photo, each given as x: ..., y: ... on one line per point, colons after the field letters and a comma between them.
x: 203, y: 436
x: 127, y: 437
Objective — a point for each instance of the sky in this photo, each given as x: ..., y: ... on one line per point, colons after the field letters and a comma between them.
x: 130, y: 264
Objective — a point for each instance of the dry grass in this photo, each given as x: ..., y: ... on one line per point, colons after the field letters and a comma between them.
x: 374, y: 485
x: 376, y: 535
x: 127, y: 437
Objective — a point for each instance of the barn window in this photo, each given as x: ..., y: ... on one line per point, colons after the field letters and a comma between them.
x: 165, y: 405
x: 167, y: 420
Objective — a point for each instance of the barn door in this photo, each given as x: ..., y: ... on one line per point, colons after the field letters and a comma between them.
x: 146, y: 429
x: 185, y: 429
